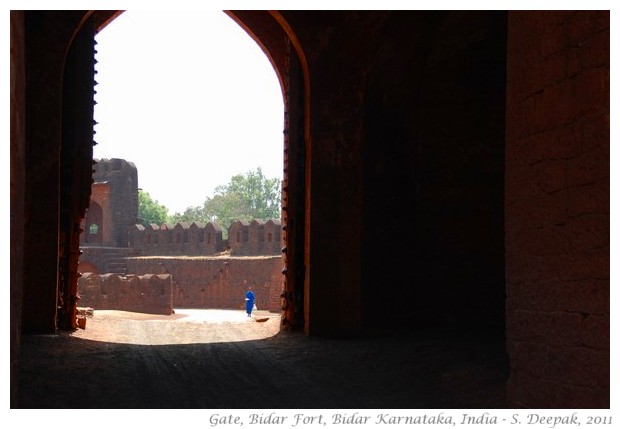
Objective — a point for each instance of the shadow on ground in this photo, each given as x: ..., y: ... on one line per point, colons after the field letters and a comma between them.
x: 290, y: 370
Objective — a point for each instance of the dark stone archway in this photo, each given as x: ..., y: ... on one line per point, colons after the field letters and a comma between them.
x: 93, y: 224
x: 398, y: 177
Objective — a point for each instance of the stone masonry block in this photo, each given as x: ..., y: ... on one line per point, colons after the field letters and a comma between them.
x: 579, y: 366
x: 589, y: 199
x: 551, y: 328
x: 588, y: 168
x: 588, y: 297
x: 589, y: 231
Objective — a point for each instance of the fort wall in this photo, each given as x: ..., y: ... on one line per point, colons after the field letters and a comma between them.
x: 119, y: 257
x: 217, y: 282
x: 148, y: 293
x: 258, y: 237
x: 113, y: 204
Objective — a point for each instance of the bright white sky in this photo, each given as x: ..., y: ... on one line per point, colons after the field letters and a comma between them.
x: 190, y: 99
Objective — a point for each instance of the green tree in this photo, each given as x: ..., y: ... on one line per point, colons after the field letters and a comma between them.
x: 150, y: 211
x: 252, y: 195
x: 191, y: 214
x: 246, y: 197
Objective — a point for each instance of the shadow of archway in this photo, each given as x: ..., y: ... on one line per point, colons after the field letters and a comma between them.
x: 286, y: 370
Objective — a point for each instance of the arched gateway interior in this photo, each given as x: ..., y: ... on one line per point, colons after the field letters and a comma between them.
x: 445, y: 171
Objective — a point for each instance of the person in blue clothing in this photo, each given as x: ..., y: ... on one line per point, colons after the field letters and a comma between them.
x: 249, y: 301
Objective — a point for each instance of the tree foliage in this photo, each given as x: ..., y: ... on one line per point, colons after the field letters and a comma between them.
x: 191, y: 214
x: 246, y: 197
x: 150, y: 211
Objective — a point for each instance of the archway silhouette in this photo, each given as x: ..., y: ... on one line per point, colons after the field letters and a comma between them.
x: 94, y: 225
x: 282, y: 52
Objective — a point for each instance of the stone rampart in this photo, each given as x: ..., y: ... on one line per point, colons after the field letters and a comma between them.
x: 258, y: 237
x: 217, y: 282
x: 148, y: 293
x: 113, y: 204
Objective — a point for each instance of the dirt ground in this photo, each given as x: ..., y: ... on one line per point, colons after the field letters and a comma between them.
x: 221, y: 359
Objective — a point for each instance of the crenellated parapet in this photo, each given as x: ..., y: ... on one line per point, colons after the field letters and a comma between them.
x: 150, y: 293
x: 255, y: 238
x: 180, y: 239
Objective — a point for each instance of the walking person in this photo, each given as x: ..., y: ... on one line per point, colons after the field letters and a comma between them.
x: 249, y: 301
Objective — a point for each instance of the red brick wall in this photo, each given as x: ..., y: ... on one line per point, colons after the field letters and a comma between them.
x: 115, y: 189
x: 142, y: 294
x: 100, y: 258
x: 557, y: 209
x: 18, y: 175
x: 203, y: 282
x: 196, y: 239
x: 100, y: 194
x: 181, y: 239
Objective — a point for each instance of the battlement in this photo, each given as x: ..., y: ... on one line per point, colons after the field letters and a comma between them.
x: 114, y: 243
x: 258, y: 237
x: 106, y: 168
x: 150, y: 293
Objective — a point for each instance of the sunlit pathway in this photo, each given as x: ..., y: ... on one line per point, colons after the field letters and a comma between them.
x: 186, y: 326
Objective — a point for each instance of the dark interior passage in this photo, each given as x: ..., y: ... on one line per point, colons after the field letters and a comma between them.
x: 433, y: 173
x: 445, y: 172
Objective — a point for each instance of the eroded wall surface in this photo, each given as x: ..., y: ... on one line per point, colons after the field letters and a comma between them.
x: 557, y: 209
x: 151, y: 293
x: 18, y: 171
x: 200, y: 282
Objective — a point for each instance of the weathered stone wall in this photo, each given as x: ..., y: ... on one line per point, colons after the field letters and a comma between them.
x: 258, y: 237
x: 18, y: 175
x: 557, y: 209
x: 115, y: 190
x: 180, y: 239
x: 47, y: 36
x: 255, y: 238
x: 143, y: 294
x: 433, y: 154
x: 217, y: 282
x: 104, y: 259
x: 99, y: 216
x: 407, y: 179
